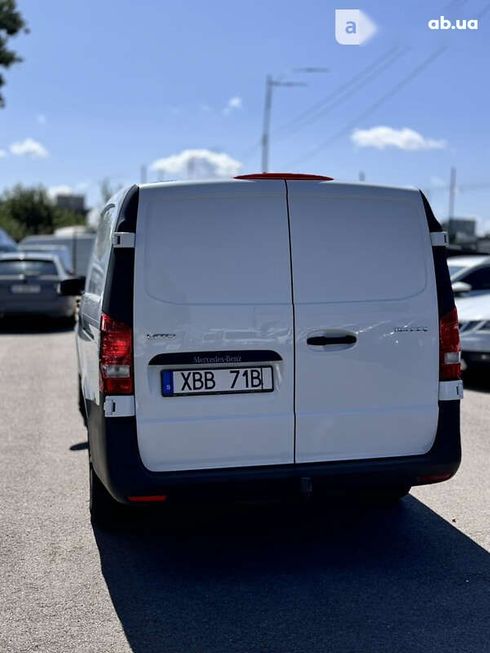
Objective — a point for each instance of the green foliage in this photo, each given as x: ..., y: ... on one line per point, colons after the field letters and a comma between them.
x: 11, y: 23
x: 30, y: 211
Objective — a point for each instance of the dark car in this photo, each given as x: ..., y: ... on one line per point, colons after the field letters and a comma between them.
x: 29, y: 283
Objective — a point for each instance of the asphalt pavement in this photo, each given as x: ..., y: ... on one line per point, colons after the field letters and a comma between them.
x: 268, y: 579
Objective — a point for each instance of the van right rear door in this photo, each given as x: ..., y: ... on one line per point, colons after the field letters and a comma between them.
x: 366, y: 322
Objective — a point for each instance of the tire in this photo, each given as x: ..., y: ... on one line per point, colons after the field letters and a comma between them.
x: 81, y: 403
x: 105, y: 512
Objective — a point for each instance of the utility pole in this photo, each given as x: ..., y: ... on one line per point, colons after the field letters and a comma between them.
x: 267, y: 122
x: 362, y: 175
x: 270, y: 84
x: 452, y: 192
x: 143, y: 174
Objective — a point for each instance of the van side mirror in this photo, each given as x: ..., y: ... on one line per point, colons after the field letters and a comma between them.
x: 460, y: 287
x: 71, y: 287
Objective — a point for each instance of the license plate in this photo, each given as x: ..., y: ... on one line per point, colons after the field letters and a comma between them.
x: 25, y: 289
x: 229, y: 380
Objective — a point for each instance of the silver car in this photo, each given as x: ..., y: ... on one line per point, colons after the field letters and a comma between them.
x: 29, y: 284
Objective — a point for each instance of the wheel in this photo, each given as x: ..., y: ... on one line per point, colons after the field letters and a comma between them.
x: 81, y: 403
x: 105, y: 512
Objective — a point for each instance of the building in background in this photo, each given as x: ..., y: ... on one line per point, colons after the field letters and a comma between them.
x: 72, y: 202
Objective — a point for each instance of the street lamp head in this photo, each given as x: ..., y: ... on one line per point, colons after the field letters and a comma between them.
x: 312, y: 69
x: 279, y: 83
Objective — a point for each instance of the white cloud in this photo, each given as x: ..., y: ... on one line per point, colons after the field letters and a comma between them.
x: 83, y: 185
x: 198, y: 164
x: 41, y: 118
x: 404, y: 139
x: 62, y: 189
x: 3, y: 154
x: 29, y: 147
x: 438, y: 182
x: 233, y: 104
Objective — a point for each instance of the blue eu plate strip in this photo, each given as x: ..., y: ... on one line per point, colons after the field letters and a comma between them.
x: 167, y: 383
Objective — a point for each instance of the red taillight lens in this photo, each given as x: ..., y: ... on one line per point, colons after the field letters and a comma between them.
x: 116, y: 357
x: 449, y: 347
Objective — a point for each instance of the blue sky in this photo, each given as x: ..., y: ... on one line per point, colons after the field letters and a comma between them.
x: 107, y: 86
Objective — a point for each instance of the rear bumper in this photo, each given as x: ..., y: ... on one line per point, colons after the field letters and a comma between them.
x: 53, y: 307
x: 115, y: 456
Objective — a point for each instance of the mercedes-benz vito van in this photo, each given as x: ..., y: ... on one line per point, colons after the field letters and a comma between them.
x: 273, y: 331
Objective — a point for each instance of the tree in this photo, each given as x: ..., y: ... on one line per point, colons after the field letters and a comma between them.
x: 30, y: 211
x: 11, y: 23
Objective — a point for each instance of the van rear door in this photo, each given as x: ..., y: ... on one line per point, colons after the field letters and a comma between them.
x: 366, y: 322
x: 213, y: 312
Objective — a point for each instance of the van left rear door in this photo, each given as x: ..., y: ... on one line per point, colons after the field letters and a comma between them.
x: 213, y: 315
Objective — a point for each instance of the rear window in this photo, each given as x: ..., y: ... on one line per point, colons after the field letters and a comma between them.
x: 34, y: 268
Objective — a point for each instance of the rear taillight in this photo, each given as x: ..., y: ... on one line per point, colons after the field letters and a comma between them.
x: 116, y: 357
x: 449, y: 347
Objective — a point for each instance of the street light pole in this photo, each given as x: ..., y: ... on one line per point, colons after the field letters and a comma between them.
x: 267, y: 123
x: 452, y: 192
x: 270, y: 83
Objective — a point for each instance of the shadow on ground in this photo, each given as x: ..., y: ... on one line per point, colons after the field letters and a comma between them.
x: 478, y: 379
x: 295, y: 579
x: 33, y: 325
x: 79, y: 446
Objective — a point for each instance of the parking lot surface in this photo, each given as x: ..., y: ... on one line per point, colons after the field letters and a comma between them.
x: 278, y: 579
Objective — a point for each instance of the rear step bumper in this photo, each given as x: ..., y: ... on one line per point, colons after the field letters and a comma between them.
x: 116, y: 459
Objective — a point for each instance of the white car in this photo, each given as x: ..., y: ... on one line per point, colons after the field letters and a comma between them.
x: 470, y: 275
x: 271, y: 333
x: 474, y: 322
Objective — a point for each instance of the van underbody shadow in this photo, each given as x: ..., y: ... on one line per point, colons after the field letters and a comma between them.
x: 291, y: 578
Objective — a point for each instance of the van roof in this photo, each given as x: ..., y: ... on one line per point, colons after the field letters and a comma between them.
x: 357, y: 187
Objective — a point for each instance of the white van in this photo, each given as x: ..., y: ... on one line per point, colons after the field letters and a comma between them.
x: 271, y: 332
x: 78, y: 244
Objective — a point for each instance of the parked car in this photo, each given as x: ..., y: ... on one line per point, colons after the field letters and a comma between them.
x: 474, y: 322
x: 241, y: 335
x: 470, y: 275
x: 29, y: 284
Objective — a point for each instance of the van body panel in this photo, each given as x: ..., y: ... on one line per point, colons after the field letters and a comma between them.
x: 361, y: 260
x: 91, y: 303
x: 212, y: 274
x: 212, y: 277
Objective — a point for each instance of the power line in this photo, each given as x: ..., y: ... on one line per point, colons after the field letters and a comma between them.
x: 342, y: 93
x: 460, y: 188
x: 376, y: 67
x: 375, y: 74
x: 387, y: 96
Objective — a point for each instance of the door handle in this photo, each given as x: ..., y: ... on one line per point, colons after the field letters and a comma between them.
x: 324, y: 341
